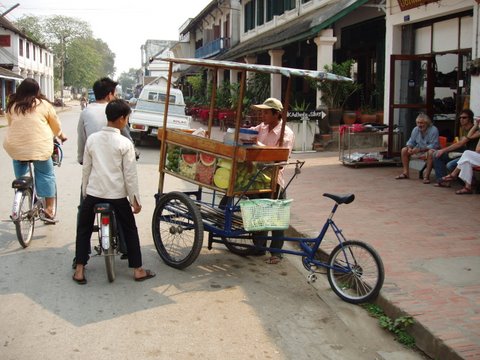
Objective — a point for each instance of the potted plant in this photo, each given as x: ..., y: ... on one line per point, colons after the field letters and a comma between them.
x: 367, y: 114
x: 335, y: 94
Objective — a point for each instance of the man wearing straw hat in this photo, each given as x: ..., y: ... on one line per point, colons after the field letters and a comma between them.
x: 270, y: 134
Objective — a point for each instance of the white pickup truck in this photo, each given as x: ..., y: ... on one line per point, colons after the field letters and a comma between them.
x: 147, y: 116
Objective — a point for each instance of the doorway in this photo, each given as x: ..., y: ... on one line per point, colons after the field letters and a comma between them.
x: 411, y: 93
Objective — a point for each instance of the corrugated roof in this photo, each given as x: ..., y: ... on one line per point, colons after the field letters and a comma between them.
x: 199, y: 18
x: 302, y: 28
x: 7, y: 74
x: 9, y: 26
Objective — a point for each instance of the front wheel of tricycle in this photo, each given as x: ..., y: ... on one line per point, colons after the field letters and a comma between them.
x: 177, y: 229
x: 356, y: 272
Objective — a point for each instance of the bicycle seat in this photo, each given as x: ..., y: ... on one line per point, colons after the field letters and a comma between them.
x: 23, y: 182
x: 103, y: 208
x: 341, y: 199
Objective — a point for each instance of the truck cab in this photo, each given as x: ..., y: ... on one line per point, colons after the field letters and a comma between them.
x: 147, y: 116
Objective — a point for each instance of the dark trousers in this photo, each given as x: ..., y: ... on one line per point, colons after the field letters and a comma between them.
x: 123, y: 214
x: 277, y: 235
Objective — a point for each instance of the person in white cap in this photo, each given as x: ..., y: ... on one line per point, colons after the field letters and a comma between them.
x: 269, y: 132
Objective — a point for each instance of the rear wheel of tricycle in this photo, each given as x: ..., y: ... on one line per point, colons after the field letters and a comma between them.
x: 241, y: 247
x: 356, y: 274
x: 177, y: 229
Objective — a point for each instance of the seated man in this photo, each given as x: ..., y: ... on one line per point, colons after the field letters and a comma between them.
x: 441, y: 159
x: 422, y: 143
x: 110, y: 175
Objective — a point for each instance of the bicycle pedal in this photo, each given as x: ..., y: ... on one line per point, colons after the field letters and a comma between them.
x: 311, y: 278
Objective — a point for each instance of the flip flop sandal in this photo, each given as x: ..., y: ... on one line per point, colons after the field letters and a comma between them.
x: 426, y: 181
x: 449, y: 178
x: 464, y: 191
x: 149, y: 274
x: 444, y: 184
x: 273, y: 260
x: 402, y: 176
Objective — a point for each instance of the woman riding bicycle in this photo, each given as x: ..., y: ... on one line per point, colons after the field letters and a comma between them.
x: 32, y: 124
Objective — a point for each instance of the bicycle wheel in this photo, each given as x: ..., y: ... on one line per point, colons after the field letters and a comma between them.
x: 245, y: 246
x: 177, y: 229
x: 110, y: 261
x: 23, y: 218
x: 357, y: 272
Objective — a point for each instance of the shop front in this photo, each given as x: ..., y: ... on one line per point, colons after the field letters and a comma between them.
x: 430, y: 48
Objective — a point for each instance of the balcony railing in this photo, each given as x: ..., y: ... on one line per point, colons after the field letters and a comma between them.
x: 214, y: 47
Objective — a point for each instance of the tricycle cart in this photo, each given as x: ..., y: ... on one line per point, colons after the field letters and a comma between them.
x: 227, y: 177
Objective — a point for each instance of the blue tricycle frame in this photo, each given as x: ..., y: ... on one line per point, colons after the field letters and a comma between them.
x: 354, y: 269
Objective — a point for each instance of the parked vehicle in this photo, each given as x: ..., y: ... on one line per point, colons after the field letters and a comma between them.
x: 148, y: 114
x: 91, y: 96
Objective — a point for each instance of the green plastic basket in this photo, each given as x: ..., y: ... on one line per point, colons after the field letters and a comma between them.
x: 265, y: 214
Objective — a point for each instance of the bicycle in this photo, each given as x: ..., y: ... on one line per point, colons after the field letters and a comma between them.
x: 354, y: 269
x: 27, y: 206
x: 109, y: 236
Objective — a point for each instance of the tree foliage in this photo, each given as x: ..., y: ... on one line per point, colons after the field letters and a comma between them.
x: 128, y: 80
x: 78, y: 56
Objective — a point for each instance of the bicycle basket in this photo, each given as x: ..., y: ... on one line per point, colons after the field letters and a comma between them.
x: 265, y: 214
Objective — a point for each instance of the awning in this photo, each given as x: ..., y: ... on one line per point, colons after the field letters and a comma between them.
x: 10, y: 75
x: 303, y: 28
x: 269, y: 69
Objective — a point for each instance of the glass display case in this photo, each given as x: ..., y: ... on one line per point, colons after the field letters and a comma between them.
x: 360, y: 147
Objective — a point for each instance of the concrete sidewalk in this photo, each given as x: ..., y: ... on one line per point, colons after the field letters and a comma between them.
x: 428, y: 238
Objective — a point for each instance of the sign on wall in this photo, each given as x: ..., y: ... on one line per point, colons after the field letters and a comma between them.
x: 5, y: 40
x: 410, y: 4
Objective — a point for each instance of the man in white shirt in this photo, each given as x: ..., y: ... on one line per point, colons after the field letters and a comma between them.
x: 92, y: 118
x: 110, y: 175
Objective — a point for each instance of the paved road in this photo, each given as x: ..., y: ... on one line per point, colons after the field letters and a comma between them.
x: 223, y: 306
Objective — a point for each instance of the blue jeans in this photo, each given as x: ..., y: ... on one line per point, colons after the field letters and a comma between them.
x: 44, y: 175
x: 443, y: 164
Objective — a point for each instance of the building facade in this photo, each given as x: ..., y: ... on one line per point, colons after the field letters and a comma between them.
x: 22, y: 57
x: 431, y: 47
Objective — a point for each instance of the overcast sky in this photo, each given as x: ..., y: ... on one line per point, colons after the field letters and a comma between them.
x: 124, y: 28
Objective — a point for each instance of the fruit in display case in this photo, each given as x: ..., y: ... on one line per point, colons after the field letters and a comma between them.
x: 173, y: 158
x: 205, y: 168
x: 188, y: 163
x: 207, y: 159
x: 246, y: 173
x: 221, y: 179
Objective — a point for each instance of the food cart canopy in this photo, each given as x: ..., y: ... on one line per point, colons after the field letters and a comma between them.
x: 270, y: 69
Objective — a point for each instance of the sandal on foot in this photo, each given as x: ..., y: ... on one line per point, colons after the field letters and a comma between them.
x: 401, y: 176
x: 449, y: 178
x: 426, y: 181
x: 47, y: 218
x: 444, y: 184
x: 273, y: 260
x: 80, y: 281
x: 464, y: 191
x: 148, y: 275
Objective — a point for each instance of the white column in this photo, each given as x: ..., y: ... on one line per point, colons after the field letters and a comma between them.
x: 276, y: 79
x: 250, y: 60
x: 233, y: 76
x: 325, y: 42
x: 220, y: 77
